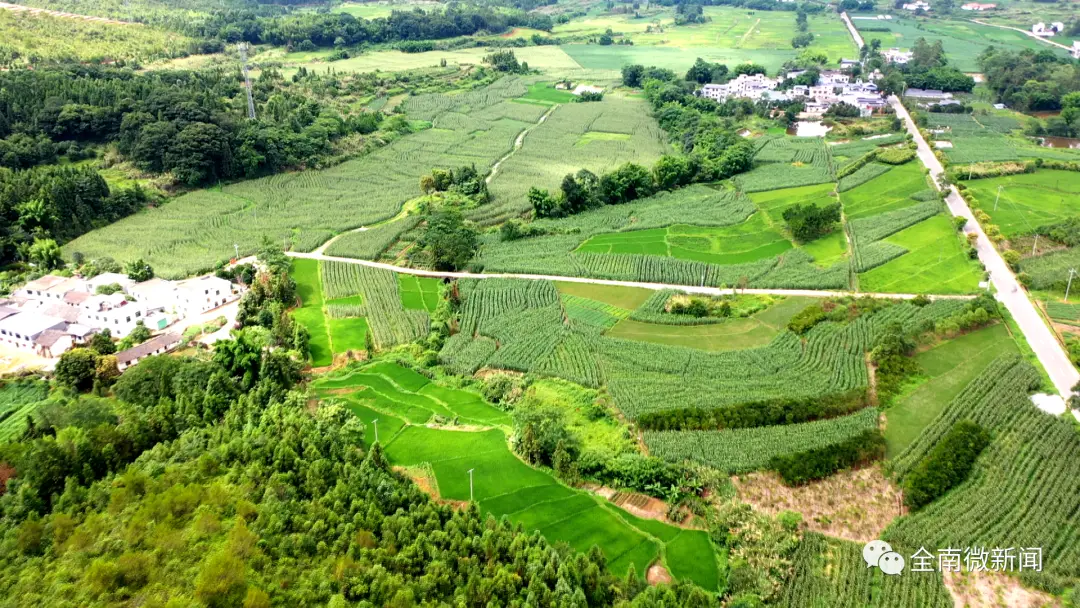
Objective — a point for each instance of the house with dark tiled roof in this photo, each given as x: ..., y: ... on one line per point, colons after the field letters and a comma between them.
x: 157, y: 345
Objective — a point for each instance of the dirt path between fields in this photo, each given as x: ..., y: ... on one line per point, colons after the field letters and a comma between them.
x: 748, y: 32
x: 520, y: 141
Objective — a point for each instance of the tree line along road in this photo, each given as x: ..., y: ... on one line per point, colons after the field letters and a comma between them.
x: 1050, y: 352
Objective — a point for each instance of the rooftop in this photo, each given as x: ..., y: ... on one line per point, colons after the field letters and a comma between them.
x: 30, y: 323
x: 137, y: 352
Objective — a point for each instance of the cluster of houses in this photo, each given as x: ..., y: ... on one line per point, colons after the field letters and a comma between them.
x: 833, y: 87
x: 917, y: 5
x: 977, y: 6
x: 52, y: 314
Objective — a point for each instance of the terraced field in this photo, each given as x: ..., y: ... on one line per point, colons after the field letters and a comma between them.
x: 399, y: 401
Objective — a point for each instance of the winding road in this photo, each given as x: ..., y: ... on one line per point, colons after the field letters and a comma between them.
x: 1009, y: 292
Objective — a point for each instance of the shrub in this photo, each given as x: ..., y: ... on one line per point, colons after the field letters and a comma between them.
x: 801, y: 467
x: 806, y: 319
x: 766, y: 412
x: 947, y: 465
x: 895, y: 156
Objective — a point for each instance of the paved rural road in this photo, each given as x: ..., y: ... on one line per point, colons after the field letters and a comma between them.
x: 851, y: 28
x: 713, y: 291
x: 1032, y: 34
x: 1009, y: 292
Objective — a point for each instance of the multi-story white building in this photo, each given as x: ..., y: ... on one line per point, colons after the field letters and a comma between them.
x: 895, y: 55
x: 22, y: 329
x: 198, y: 295
x: 114, y: 312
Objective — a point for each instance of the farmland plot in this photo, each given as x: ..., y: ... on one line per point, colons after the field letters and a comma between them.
x: 565, y: 143
x: 1029, y: 200
x: 741, y: 450
x: 525, y: 316
x: 194, y: 231
x: 557, y: 251
x: 18, y: 400
x: 399, y: 399
x: 1024, y: 490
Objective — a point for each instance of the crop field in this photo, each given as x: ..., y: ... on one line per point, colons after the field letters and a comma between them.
x: 19, y: 399
x: 732, y: 36
x: 382, y: 303
x: 194, y: 231
x: 502, y: 484
x: 627, y: 298
x: 545, y: 93
x: 976, y: 137
x: 1024, y: 490
x: 749, y: 241
x: 829, y: 572
x: 891, y: 191
x: 310, y: 314
x: 520, y: 325
x: 787, y: 162
x: 1028, y: 200
x: 1051, y: 270
x: 369, y: 244
x: 732, y: 334
x: 741, y: 450
x: 944, y: 371
x: 963, y: 40
x: 935, y: 262
x: 550, y: 151
x: 419, y: 293
x: 546, y: 58
x: 554, y: 253
x: 613, y: 57
x: 1063, y: 311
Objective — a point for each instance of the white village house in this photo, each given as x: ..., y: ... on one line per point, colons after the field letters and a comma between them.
x: 52, y: 314
x: 918, y: 4
x: 833, y: 87
x: 1042, y: 29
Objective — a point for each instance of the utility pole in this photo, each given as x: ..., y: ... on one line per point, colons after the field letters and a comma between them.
x: 1072, y: 273
x: 1035, y: 244
x: 242, y: 47
x: 470, y: 485
x: 237, y: 249
x: 998, y: 197
x: 375, y: 423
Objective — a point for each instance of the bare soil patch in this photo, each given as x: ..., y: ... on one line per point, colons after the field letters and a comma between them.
x: 853, y: 505
x: 423, y: 478
x: 994, y: 589
x: 657, y: 574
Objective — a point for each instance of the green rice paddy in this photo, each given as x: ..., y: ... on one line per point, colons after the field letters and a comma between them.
x: 310, y: 314
x: 936, y: 262
x: 1029, y: 200
x: 945, y: 370
x: 418, y: 293
x: 751, y: 240
x: 397, y: 400
x: 887, y: 192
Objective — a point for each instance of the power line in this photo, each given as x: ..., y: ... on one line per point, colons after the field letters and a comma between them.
x: 242, y: 47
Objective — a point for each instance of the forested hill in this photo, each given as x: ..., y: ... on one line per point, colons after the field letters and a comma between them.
x: 211, y: 483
